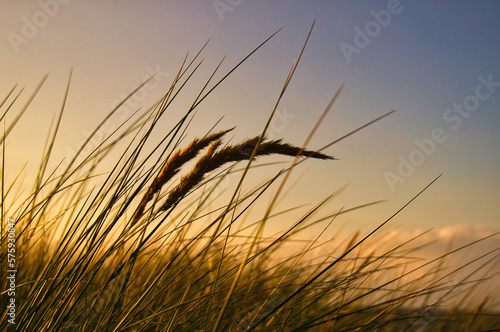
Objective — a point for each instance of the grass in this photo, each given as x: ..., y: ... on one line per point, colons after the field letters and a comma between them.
x: 139, y: 248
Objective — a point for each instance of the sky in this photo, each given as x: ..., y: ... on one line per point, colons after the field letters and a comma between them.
x: 434, y: 63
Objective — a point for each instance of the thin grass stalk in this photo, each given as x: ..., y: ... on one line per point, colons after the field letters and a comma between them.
x: 11, y: 103
x: 24, y: 108
x: 7, y: 97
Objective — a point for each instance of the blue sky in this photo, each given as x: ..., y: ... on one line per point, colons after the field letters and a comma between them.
x: 425, y: 60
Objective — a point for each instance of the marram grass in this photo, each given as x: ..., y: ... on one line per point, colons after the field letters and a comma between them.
x: 137, y: 247
x: 213, y: 159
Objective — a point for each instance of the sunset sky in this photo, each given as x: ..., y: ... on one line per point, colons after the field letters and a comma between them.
x: 435, y: 63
